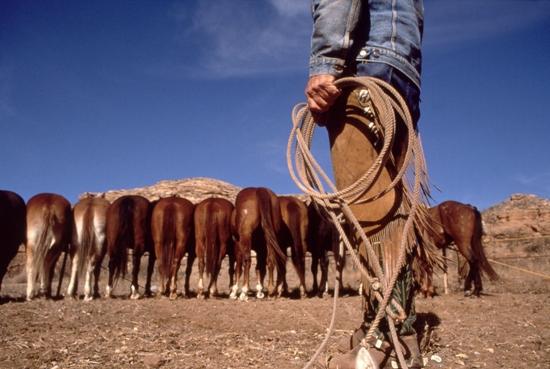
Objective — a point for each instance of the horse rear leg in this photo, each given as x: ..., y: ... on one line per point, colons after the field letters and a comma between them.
x: 231, y: 268
x: 31, y: 272
x: 324, y: 274
x: 73, y: 281
x: 314, y: 268
x: 136, y: 260
x: 299, y: 261
x: 200, y: 286
x: 90, y: 269
x: 188, y: 269
x: 150, y: 270
x: 238, y: 272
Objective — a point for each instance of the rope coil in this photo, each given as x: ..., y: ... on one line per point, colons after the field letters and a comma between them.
x: 310, y: 177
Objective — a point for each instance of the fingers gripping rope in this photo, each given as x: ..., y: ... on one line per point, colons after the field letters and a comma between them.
x: 312, y: 179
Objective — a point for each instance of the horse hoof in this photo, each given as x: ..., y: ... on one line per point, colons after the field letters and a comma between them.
x: 200, y: 296
x: 243, y: 297
x: 173, y: 296
x: 88, y: 298
x: 260, y: 295
x: 135, y: 296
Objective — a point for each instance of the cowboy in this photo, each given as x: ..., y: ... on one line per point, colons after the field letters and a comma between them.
x: 382, y: 39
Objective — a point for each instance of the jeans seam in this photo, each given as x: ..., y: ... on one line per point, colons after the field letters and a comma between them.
x: 393, y: 23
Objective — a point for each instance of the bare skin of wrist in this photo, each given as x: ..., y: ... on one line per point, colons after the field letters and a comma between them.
x: 321, y: 93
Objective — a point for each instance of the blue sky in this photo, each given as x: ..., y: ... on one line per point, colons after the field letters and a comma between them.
x: 99, y: 95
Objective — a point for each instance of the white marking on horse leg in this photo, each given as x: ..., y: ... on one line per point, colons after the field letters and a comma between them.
x: 108, y: 291
x: 234, y: 290
x: 135, y: 293
x: 88, y: 282
x: 244, y: 294
x: 213, y: 291
x: 200, y: 289
x: 260, y: 291
x: 325, y: 292
x: 72, y: 283
x: 174, y: 289
x: 280, y: 290
x: 30, y: 281
x: 302, y: 291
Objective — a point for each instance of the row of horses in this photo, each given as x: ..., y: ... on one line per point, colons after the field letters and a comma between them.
x: 171, y: 227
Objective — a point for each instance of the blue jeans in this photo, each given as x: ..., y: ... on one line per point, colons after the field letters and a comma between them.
x: 347, y: 33
x: 408, y: 90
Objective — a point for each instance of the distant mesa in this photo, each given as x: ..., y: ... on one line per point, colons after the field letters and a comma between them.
x: 193, y: 189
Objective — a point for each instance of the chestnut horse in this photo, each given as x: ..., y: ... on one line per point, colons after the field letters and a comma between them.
x: 454, y: 222
x: 88, y: 246
x: 294, y: 232
x: 128, y: 227
x: 213, y: 240
x: 49, y: 227
x: 172, y: 231
x: 12, y: 228
x: 257, y: 223
x: 322, y: 238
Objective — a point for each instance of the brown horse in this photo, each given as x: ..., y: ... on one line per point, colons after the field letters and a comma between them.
x: 257, y: 223
x: 172, y: 231
x: 12, y: 228
x: 88, y: 246
x: 294, y: 232
x: 128, y: 227
x: 213, y: 240
x: 454, y: 222
x: 49, y: 227
x: 322, y: 238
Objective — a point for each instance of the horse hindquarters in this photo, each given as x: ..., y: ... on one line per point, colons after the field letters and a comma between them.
x: 48, y: 233
x: 12, y: 228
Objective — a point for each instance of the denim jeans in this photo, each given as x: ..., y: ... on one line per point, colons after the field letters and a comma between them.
x: 348, y: 33
x: 408, y: 90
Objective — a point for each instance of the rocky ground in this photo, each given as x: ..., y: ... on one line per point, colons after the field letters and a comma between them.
x: 507, y: 328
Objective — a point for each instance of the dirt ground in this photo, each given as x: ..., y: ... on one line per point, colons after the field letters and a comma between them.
x: 509, y: 327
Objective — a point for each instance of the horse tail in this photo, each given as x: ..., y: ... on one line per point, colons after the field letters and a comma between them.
x: 168, y: 244
x: 479, y: 251
x: 211, y: 239
x: 86, y: 240
x: 266, y: 215
x: 124, y: 238
x: 298, y: 244
x: 44, y: 241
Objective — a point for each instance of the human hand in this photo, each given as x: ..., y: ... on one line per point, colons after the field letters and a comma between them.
x: 321, y: 93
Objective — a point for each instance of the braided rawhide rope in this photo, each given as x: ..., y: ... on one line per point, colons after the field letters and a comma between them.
x: 312, y: 179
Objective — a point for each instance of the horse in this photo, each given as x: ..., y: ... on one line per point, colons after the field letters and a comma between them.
x: 88, y: 246
x: 294, y: 233
x: 322, y: 238
x: 213, y: 240
x: 49, y: 227
x: 458, y: 223
x: 12, y: 228
x: 257, y: 223
x: 128, y: 227
x: 172, y: 232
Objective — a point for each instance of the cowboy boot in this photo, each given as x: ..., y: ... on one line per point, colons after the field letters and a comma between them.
x: 411, y: 352
x: 360, y: 358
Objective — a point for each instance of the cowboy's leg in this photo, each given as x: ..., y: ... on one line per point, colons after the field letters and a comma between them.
x: 353, y: 151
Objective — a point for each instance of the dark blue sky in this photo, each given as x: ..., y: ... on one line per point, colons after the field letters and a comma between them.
x: 99, y: 95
